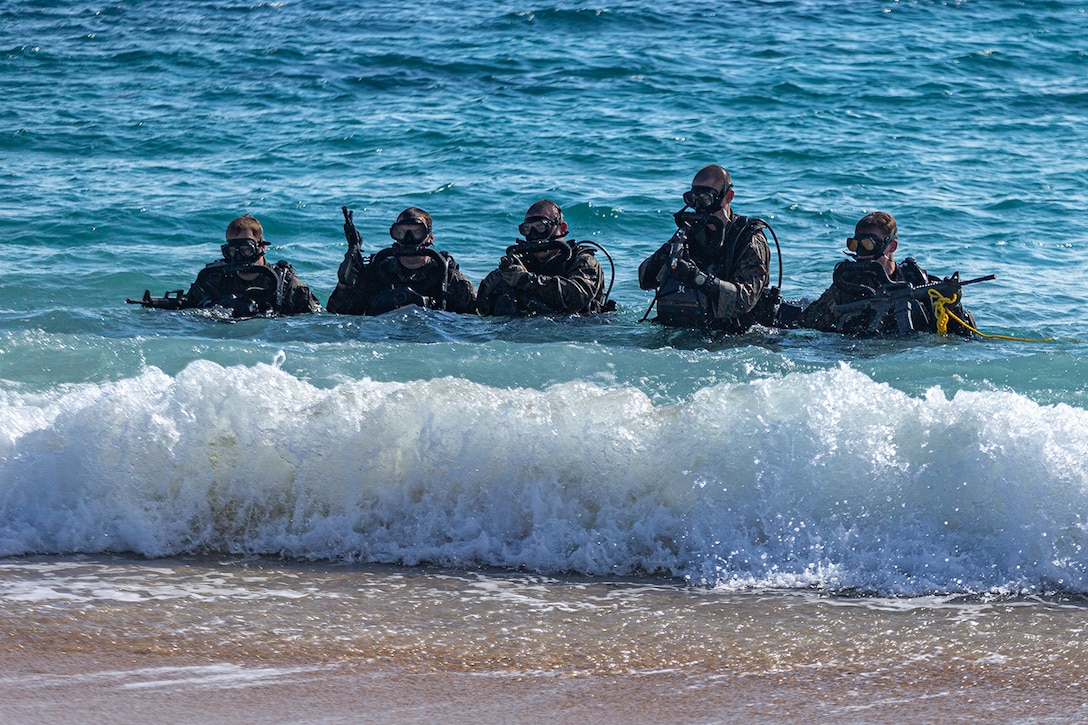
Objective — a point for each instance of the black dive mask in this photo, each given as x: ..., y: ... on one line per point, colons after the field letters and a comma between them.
x: 538, y: 229
x: 704, y: 199
x: 410, y: 233
x: 868, y: 246
x: 241, y: 251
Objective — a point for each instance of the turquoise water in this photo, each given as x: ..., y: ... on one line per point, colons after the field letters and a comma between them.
x: 132, y: 132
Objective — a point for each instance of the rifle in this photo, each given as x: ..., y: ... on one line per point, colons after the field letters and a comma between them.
x: 173, y: 300
x: 896, y: 299
x: 686, y: 221
x: 678, y: 249
x: 355, y: 245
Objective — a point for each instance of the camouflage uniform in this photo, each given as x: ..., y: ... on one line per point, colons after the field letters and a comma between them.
x: 274, y: 289
x: 739, y: 261
x: 571, y: 284
x: 386, y: 275
x: 856, y: 281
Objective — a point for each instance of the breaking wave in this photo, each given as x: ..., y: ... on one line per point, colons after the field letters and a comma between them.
x: 827, y: 480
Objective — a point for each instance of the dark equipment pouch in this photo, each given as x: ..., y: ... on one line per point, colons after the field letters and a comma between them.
x: 773, y: 311
x: 766, y: 310
x: 680, y: 306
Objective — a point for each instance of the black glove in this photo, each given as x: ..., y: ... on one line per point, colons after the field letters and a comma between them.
x: 687, y: 272
x: 350, y: 269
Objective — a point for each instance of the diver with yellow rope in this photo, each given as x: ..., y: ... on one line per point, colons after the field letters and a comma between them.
x: 873, y: 295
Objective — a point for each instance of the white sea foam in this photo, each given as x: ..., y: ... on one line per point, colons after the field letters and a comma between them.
x: 221, y: 676
x: 824, y: 479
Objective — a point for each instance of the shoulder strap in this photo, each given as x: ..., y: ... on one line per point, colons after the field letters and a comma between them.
x: 739, y: 231
x: 285, y: 273
x: 451, y: 263
x: 208, y: 278
x: 913, y: 273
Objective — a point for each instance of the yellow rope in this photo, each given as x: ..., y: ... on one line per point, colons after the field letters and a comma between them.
x: 939, y: 302
x: 940, y: 309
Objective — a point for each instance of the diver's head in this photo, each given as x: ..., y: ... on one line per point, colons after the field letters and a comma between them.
x: 412, y: 229
x: 711, y: 191
x: 245, y: 241
x: 544, y: 225
x: 875, y: 239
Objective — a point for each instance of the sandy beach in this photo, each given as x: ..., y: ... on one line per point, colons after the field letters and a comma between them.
x: 129, y: 641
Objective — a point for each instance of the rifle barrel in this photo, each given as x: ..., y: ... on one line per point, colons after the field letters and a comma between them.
x: 355, y: 240
x: 678, y: 241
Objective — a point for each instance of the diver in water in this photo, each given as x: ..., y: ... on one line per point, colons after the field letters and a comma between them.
x: 407, y: 273
x: 545, y: 273
x: 242, y: 282
x: 871, y: 294
x: 714, y: 272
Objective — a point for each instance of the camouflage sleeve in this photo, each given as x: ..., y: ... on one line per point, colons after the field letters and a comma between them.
x: 820, y: 315
x: 740, y: 293
x: 353, y: 300
x: 491, y: 288
x: 460, y: 293
x: 651, y: 267
x: 300, y: 299
x: 573, y: 291
x: 194, y: 298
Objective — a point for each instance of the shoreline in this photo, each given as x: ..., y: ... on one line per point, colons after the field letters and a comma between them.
x: 135, y: 641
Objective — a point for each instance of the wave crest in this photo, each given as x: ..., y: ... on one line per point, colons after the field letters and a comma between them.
x: 824, y: 479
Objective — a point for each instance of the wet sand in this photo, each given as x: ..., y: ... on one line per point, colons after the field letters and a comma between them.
x: 152, y: 688
x: 126, y: 641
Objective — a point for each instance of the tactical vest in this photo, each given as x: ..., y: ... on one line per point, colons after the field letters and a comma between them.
x: 679, y: 305
x: 221, y: 285
x: 513, y: 302
x: 858, y: 312
x: 396, y: 287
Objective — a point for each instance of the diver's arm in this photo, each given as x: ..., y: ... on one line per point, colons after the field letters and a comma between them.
x: 736, y: 296
x: 650, y: 268
x: 573, y: 291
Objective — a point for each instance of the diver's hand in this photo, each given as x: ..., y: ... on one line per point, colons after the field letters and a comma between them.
x: 513, y: 272
x: 350, y: 269
x: 688, y: 273
x: 952, y: 282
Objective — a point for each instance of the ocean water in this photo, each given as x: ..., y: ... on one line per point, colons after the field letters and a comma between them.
x: 774, y: 470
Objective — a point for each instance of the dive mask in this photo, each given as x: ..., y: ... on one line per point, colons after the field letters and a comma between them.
x: 410, y: 233
x: 704, y: 198
x: 537, y: 228
x: 868, y: 245
x: 241, y: 251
